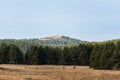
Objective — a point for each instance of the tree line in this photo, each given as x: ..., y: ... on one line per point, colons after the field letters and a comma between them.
x: 104, y: 55
x: 41, y: 55
x: 25, y: 44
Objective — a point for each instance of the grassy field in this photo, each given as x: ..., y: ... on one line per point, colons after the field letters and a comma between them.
x: 27, y: 72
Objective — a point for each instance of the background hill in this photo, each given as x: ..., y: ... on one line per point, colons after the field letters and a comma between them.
x: 60, y: 41
x: 25, y: 44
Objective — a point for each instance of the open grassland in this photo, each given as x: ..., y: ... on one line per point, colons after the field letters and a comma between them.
x: 49, y: 72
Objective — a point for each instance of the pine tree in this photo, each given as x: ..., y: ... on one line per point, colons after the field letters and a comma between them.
x: 4, y: 50
x: 32, y: 56
x: 41, y: 55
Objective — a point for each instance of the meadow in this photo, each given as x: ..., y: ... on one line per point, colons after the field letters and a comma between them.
x: 52, y: 72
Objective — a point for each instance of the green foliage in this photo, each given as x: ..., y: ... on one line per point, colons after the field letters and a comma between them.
x: 105, y: 55
x: 15, y: 55
x: 25, y: 44
x: 98, y: 55
x: 10, y: 54
x: 32, y: 55
x: 4, y: 53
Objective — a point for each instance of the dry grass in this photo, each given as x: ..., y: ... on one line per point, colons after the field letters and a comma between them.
x: 27, y: 72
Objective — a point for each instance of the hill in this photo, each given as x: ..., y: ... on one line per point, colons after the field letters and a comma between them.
x: 60, y: 41
x: 25, y: 44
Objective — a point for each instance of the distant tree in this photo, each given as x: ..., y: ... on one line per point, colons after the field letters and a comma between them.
x: 107, y: 52
x: 32, y: 56
x: 19, y: 56
x: 67, y: 56
x: 95, y: 56
x: 15, y: 55
x: 55, y: 55
x: 41, y: 55
x: 27, y: 57
x: 116, y: 57
x: 4, y: 53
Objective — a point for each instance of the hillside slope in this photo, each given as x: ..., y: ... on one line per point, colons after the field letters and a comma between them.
x: 60, y: 41
x: 25, y: 44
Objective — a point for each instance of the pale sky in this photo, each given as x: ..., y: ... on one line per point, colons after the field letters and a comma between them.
x: 90, y: 20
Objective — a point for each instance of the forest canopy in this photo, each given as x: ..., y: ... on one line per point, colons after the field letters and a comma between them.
x: 97, y: 55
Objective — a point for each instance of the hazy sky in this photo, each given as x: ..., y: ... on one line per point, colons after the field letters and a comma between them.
x: 83, y: 19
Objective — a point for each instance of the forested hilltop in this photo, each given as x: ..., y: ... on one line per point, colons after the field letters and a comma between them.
x: 97, y: 55
x: 25, y: 44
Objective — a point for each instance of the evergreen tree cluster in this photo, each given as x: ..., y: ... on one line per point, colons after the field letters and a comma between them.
x: 41, y: 55
x: 10, y: 54
x: 75, y: 55
x: 103, y: 55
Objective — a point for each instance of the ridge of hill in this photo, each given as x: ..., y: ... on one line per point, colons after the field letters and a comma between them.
x: 60, y: 41
x: 52, y: 38
x: 25, y: 44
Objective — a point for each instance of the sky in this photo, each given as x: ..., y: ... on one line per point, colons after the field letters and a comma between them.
x: 90, y: 20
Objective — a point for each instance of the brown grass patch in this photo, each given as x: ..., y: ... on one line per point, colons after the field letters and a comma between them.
x: 50, y: 72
